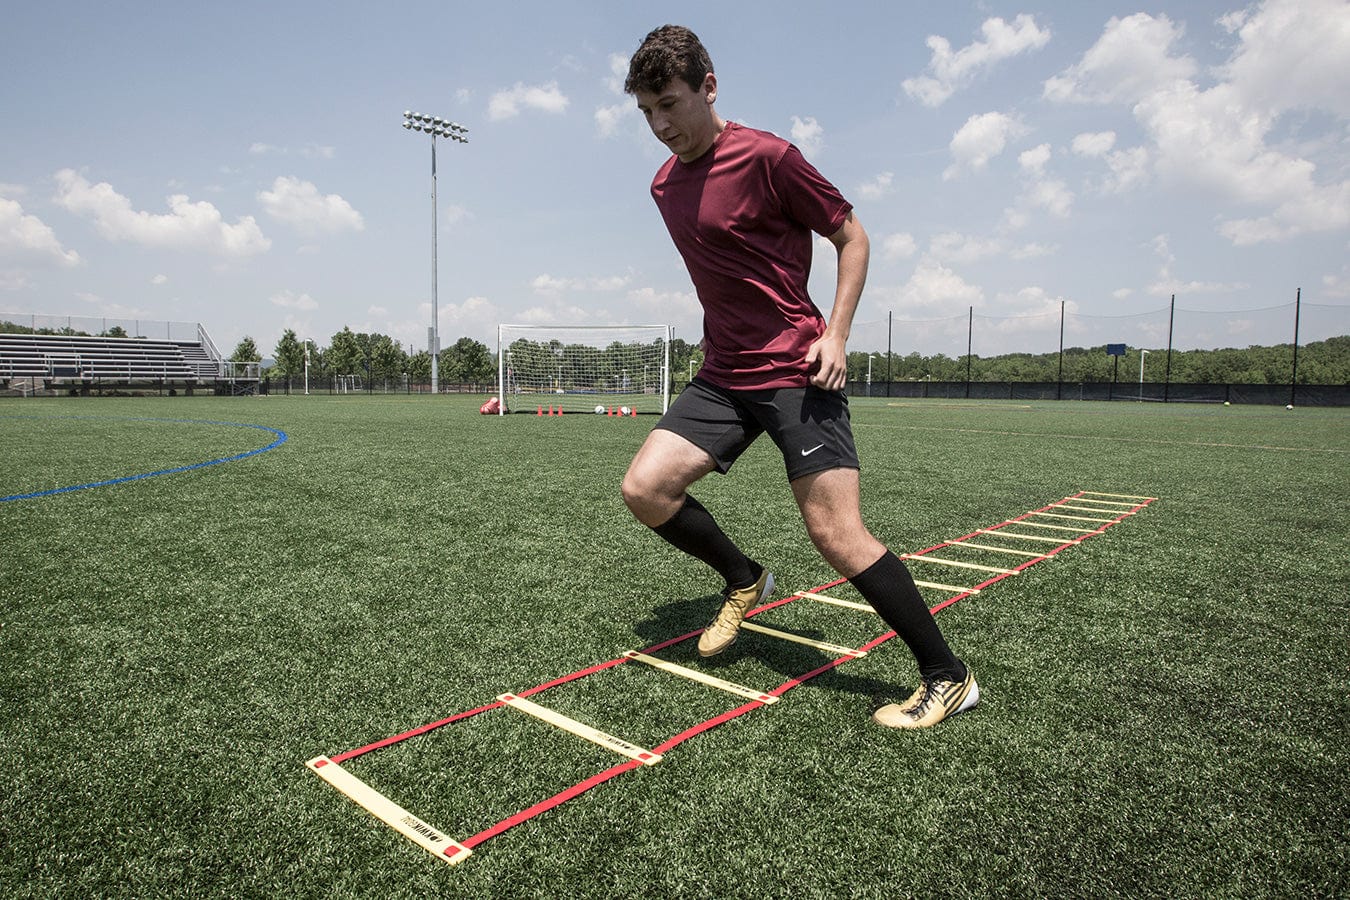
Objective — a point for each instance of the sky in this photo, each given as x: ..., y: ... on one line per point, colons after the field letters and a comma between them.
x: 244, y: 165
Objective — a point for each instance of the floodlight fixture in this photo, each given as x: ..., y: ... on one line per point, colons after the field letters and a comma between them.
x: 436, y: 127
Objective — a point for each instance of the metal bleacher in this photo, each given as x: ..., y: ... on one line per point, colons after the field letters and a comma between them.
x: 32, y: 363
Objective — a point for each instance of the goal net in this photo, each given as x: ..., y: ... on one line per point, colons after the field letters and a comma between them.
x: 577, y: 368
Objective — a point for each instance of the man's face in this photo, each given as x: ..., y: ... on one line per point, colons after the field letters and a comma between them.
x: 682, y: 118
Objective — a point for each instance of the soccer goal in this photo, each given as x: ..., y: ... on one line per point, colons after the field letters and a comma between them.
x: 582, y: 368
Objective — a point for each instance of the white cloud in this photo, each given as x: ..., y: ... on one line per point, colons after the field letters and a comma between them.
x: 898, y: 246
x: 1290, y: 54
x: 309, y: 151
x: 1052, y: 195
x: 878, y: 187
x: 300, y: 205
x: 1031, y: 251
x: 454, y: 213
x: 934, y: 288
x: 14, y: 280
x: 1093, y: 144
x: 1337, y: 286
x: 979, y: 140
x: 953, y: 247
x: 618, y: 73
x: 609, y: 119
x: 159, y: 279
x: 1204, y: 138
x: 1166, y: 283
x: 292, y: 300
x: 1129, y: 169
x: 1034, y: 160
x: 668, y: 306
x: 1028, y: 304
x: 808, y: 135
x: 1131, y: 59
x: 508, y: 103
x: 549, y: 284
x: 952, y: 71
x: 1040, y: 191
x: 187, y: 225
x: 27, y: 236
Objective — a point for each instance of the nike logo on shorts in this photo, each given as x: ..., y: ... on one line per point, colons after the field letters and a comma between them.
x: 812, y: 450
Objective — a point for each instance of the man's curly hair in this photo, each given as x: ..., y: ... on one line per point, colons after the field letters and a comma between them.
x: 669, y: 52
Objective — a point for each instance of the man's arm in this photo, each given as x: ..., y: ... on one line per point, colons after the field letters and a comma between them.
x: 829, y: 354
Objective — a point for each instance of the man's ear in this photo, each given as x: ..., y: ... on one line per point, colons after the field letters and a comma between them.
x: 710, y: 88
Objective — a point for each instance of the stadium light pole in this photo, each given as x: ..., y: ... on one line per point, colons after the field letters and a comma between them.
x: 436, y: 127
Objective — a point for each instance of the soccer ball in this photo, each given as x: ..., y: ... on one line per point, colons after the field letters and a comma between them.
x: 599, y: 410
x: 625, y: 410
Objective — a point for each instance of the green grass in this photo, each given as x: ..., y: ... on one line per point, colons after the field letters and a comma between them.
x: 1164, y: 708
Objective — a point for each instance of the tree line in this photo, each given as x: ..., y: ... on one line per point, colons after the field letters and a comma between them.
x: 377, y: 357
x: 1319, y: 362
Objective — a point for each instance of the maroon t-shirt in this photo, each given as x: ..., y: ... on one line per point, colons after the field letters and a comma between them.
x: 742, y: 216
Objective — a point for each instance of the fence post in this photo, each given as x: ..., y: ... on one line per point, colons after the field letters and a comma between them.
x: 1167, y: 372
x: 1293, y: 375
x: 970, y: 328
x: 1059, y: 381
x: 889, y: 313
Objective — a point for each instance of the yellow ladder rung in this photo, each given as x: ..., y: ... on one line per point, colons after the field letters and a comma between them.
x: 946, y: 587
x: 835, y: 601
x: 955, y: 562
x: 1116, y: 503
x: 1055, y: 527
x: 799, y: 639
x: 1072, y: 518
x: 995, y: 549
x: 1091, y: 509
x: 704, y: 678
x: 1030, y: 537
x: 581, y: 730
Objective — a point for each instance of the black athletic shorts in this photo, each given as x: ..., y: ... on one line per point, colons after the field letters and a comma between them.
x: 809, y: 425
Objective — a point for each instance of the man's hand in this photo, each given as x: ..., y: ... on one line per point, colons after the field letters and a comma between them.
x: 827, y: 361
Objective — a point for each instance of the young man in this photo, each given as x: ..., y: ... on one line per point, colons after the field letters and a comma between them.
x: 741, y: 206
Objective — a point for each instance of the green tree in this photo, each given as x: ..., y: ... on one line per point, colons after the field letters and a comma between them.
x: 289, y: 354
x: 345, y: 355
x: 468, y: 361
x: 419, y: 367
x: 246, y: 351
x: 387, y: 359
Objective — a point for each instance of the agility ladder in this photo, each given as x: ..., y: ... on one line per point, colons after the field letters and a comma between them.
x: 1052, y: 528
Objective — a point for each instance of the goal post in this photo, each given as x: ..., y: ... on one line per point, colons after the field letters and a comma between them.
x: 577, y: 368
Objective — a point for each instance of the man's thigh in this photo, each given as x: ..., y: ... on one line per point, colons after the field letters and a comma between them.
x: 811, y: 428
x: 713, y: 419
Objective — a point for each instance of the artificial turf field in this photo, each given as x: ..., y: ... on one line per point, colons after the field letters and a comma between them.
x: 1163, y: 709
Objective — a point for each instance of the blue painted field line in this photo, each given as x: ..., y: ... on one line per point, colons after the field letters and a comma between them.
x: 280, y: 439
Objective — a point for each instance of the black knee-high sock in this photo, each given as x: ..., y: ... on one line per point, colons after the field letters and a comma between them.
x: 889, y: 587
x: 694, y: 531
